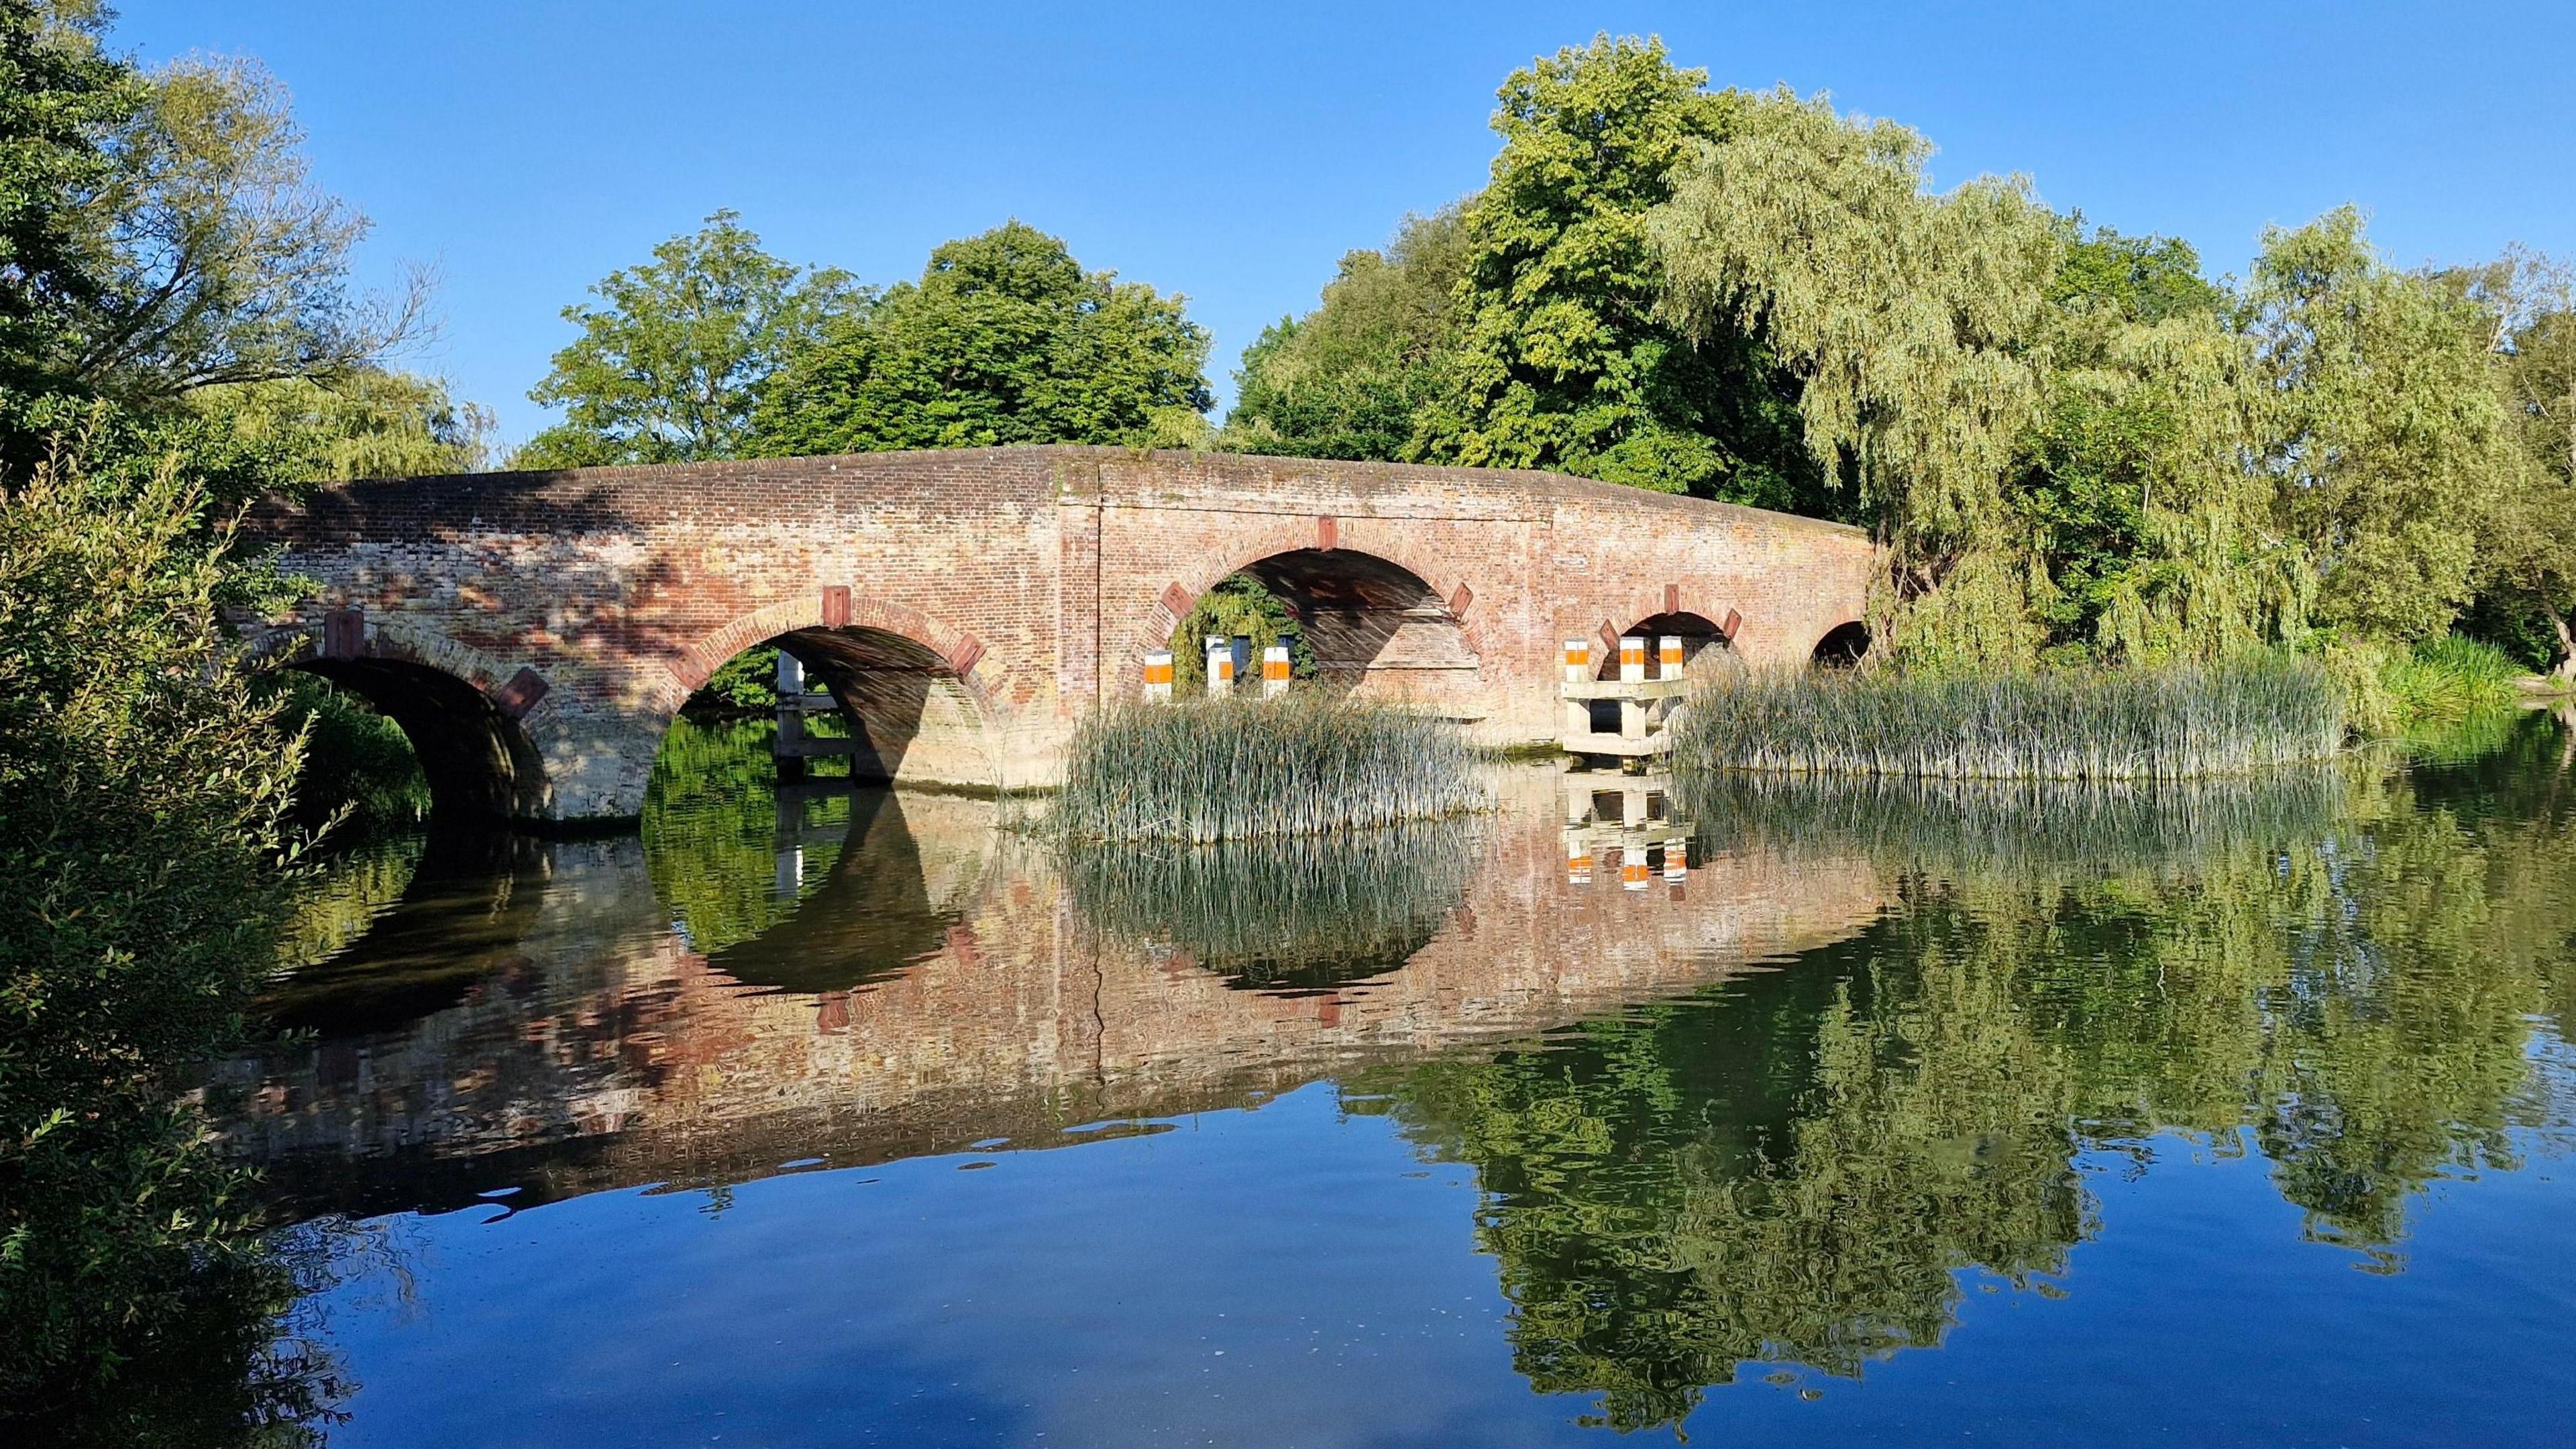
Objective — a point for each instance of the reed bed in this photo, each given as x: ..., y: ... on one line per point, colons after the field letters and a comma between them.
x: 2034, y: 829
x: 1286, y: 910
x: 2175, y: 723
x: 1302, y: 763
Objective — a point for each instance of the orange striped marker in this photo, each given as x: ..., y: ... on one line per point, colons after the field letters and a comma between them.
x: 1677, y: 860
x: 1158, y: 677
x: 1668, y: 657
x: 1578, y: 661
x: 1274, y: 670
x: 1632, y: 658
x: 1632, y: 870
x: 1220, y: 665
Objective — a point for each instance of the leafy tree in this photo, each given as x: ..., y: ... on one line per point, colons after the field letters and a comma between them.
x: 364, y: 423
x: 203, y: 254
x: 1004, y: 339
x: 1349, y: 379
x: 2529, y: 549
x: 672, y: 365
x: 59, y: 94
x: 1905, y: 319
x: 1564, y: 361
x: 2383, y: 435
x: 2132, y: 278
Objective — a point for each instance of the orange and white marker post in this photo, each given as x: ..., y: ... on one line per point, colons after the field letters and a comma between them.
x: 1677, y: 859
x: 1668, y: 657
x: 1158, y: 677
x: 1274, y: 670
x: 1220, y: 665
x: 1578, y: 861
x: 1632, y: 869
x: 1578, y: 661
x: 1632, y: 670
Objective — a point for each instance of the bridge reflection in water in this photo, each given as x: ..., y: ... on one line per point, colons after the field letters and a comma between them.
x: 849, y: 976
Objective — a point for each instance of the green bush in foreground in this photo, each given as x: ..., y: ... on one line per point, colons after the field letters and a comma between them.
x: 2170, y: 723
x: 1303, y: 763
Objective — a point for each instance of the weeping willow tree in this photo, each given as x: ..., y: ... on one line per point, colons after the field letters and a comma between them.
x: 1911, y: 320
x: 2057, y: 455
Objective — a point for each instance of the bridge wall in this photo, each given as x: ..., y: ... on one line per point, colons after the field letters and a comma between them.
x: 996, y: 594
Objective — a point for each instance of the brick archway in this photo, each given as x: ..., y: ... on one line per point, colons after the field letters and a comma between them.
x: 917, y: 693
x: 1363, y: 538
x: 478, y: 725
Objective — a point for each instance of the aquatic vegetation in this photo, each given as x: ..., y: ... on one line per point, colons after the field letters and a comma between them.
x: 1307, y: 910
x: 2053, y: 827
x: 1301, y: 763
x: 2170, y: 723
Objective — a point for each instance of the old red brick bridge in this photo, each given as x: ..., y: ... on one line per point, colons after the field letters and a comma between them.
x: 534, y: 633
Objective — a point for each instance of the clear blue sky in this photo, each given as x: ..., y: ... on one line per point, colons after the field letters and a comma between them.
x: 1234, y: 153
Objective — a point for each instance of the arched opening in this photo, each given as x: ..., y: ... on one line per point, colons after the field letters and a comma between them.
x: 910, y: 718
x: 478, y: 762
x: 885, y: 707
x: 1699, y: 635
x: 1369, y: 626
x: 1843, y: 646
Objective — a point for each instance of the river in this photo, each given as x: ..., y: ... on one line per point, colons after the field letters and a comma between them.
x: 1867, y: 1115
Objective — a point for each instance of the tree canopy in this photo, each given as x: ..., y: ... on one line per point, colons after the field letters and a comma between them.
x: 672, y: 363
x: 1004, y: 339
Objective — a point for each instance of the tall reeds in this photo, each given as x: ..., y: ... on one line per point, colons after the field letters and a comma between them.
x: 2174, y: 723
x: 1290, y: 910
x: 1302, y: 763
x: 2030, y: 829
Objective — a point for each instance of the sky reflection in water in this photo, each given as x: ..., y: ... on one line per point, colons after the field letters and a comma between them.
x: 2215, y: 1117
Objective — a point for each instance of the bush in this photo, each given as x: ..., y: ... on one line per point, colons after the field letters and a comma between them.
x: 1302, y: 763
x: 143, y: 792
x: 2167, y: 723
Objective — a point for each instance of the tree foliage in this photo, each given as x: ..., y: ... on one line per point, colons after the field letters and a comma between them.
x: 1348, y: 379
x: 673, y: 362
x: 1004, y: 339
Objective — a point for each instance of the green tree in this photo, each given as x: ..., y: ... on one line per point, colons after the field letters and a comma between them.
x: 59, y: 94
x: 362, y: 423
x: 1906, y: 319
x: 2384, y: 435
x: 1564, y: 361
x: 1349, y: 379
x: 1004, y: 339
x: 672, y: 364
x: 2528, y: 554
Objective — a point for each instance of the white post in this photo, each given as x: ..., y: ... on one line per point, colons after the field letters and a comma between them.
x: 1158, y: 677
x: 791, y: 677
x: 1220, y: 666
x: 1632, y: 658
x: 1274, y: 670
x: 1668, y: 657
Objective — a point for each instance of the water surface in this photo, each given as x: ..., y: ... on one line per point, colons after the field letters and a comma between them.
x: 1872, y: 1116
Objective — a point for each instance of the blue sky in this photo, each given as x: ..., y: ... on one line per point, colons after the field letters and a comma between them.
x: 1233, y: 154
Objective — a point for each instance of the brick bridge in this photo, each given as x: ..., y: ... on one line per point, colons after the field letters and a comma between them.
x: 534, y: 633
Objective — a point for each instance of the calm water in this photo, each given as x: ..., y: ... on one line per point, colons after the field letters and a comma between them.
x: 2207, y: 1117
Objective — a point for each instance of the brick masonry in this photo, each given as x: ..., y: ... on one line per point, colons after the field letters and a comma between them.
x: 970, y: 606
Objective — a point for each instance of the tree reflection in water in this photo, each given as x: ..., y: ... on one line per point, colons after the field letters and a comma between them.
x: 2340, y: 973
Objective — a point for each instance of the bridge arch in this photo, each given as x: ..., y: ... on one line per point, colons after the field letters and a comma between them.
x: 1374, y: 619
x: 911, y: 690
x: 1700, y: 635
x: 466, y: 714
x: 1842, y: 646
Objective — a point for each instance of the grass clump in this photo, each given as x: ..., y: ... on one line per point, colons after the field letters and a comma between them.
x: 1301, y: 911
x: 2170, y: 723
x: 2449, y: 679
x: 1301, y: 763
